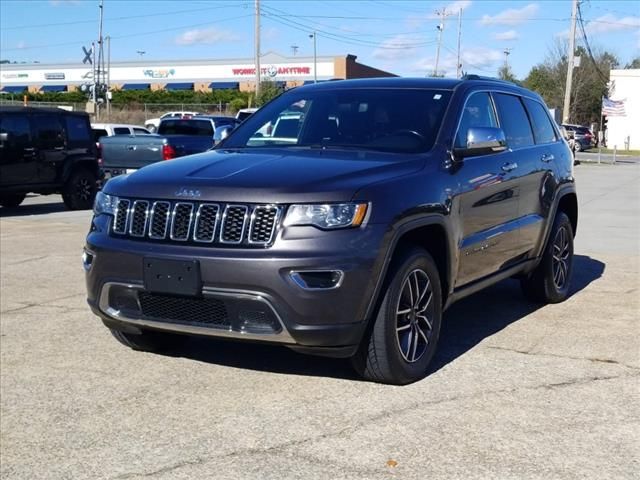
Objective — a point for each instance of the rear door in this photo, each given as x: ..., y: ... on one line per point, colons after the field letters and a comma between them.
x: 539, y: 181
x: 51, y: 142
x: 487, y: 199
x: 17, y: 154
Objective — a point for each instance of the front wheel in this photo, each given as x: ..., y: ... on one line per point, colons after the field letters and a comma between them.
x: 403, y: 338
x: 80, y: 190
x: 550, y: 281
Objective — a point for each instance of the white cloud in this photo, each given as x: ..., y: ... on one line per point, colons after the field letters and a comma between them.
x: 474, y: 60
x: 511, y: 16
x: 57, y: 3
x: 205, y: 35
x: 506, y: 36
x: 396, y: 48
x: 605, y: 24
x: 21, y: 44
x: 270, y: 33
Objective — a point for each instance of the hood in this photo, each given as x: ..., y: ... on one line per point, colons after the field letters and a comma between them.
x: 265, y: 176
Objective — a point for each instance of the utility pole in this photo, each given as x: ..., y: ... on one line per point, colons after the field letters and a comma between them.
x: 257, y: 46
x: 458, y: 64
x: 507, y: 52
x: 315, y: 57
x: 442, y: 14
x: 570, y: 63
x: 108, y: 93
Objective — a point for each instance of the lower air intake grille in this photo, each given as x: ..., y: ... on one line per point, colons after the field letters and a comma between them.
x: 191, y: 311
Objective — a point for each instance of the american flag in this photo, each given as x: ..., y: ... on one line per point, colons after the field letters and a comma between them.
x: 613, y: 108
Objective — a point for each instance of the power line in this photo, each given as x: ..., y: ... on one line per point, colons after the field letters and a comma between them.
x: 129, y: 17
x: 588, y: 47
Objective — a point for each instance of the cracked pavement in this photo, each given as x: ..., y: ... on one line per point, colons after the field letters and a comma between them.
x: 516, y: 390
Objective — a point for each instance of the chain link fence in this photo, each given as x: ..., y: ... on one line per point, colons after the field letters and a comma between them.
x: 132, y: 113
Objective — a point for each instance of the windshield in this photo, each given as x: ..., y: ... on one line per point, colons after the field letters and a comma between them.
x: 186, y: 127
x: 393, y: 120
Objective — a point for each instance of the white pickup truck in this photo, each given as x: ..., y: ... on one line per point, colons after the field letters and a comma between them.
x: 152, y: 124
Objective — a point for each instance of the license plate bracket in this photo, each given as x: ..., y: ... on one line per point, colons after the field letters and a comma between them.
x: 175, y: 277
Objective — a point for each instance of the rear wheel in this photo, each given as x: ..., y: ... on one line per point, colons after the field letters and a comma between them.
x: 403, y: 338
x: 148, y: 341
x: 80, y: 190
x: 12, y: 201
x: 550, y: 281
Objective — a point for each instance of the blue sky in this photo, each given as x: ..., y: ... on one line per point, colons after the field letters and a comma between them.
x: 399, y: 36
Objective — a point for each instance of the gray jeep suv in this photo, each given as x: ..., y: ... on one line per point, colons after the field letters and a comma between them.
x: 347, y: 233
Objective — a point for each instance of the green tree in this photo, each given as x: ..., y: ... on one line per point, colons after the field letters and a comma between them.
x: 505, y: 73
x: 635, y: 63
x: 268, y: 91
x: 590, y: 80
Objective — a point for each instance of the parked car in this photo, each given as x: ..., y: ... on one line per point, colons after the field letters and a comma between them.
x: 153, y: 123
x: 176, y: 137
x: 111, y: 129
x: 583, y: 138
x: 349, y: 241
x: 245, y: 113
x: 45, y: 151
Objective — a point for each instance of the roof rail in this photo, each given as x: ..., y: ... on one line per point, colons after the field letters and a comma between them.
x: 473, y: 76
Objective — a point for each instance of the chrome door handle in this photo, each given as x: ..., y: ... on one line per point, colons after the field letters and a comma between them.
x: 131, y: 147
x: 547, y: 157
x: 507, y: 167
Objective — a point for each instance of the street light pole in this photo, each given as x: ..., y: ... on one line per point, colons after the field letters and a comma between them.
x: 257, y: 46
x: 315, y: 57
x: 566, y: 108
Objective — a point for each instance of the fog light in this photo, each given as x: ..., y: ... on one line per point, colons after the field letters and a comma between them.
x: 87, y: 259
x: 256, y: 321
x: 318, y: 279
x: 124, y: 299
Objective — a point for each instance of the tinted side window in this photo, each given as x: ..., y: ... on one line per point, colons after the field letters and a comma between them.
x: 543, y: 130
x: 513, y: 120
x: 77, y: 129
x: 140, y: 131
x: 48, y: 131
x: 17, y: 126
x: 478, y: 112
x: 121, y: 131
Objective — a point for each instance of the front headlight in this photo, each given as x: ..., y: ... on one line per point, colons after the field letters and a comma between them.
x: 105, y: 204
x: 327, y: 216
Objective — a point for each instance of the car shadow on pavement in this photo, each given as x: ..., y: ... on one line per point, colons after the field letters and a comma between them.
x: 465, y: 324
x: 485, y: 313
x: 33, y: 209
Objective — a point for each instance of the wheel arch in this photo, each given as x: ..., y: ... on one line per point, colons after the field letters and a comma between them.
x: 432, y: 234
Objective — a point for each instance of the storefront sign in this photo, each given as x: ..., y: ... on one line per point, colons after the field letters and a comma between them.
x: 164, y: 73
x: 54, y: 76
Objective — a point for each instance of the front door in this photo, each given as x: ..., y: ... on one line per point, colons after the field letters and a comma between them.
x: 486, y: 201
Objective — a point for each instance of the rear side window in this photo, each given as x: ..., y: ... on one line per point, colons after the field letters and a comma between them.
x: 514, y: 120
x: 121, y: 131
x: 478, y: 112
x: 140, y: 131
x: 49, y: 132
x: 77, y: 129
x: 543, y: 130
x: 18, y: 130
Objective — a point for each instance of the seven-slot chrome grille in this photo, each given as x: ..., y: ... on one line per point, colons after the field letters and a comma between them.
x: 211, y: 223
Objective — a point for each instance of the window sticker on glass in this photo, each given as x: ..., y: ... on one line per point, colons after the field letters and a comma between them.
x: 437, y: 96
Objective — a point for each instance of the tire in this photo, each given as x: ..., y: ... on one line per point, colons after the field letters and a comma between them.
x: 577, y: 146
x: 551, y: 280
x: 401, y: 342
x: 148, y: 341
x: 12, y: 201
x: 80, y: 190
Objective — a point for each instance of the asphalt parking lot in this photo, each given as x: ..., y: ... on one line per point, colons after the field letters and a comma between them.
x: 517, y: 391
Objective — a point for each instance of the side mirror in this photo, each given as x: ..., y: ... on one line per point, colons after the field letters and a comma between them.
x: 4, y: 137
x: 222, y: 132
x: 483, y: 141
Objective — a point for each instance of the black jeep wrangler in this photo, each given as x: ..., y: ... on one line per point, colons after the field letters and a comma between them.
x: 376, y: 205
x: 47, y: 150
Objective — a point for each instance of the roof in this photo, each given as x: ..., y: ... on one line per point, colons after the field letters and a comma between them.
x: 39, y: 110
x: 407, y: 82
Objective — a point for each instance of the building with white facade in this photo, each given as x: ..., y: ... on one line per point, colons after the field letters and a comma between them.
x: 199, y: 75
x: 624, y: 131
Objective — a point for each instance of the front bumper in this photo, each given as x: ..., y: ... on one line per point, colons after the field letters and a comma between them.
x: 326, y: 321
